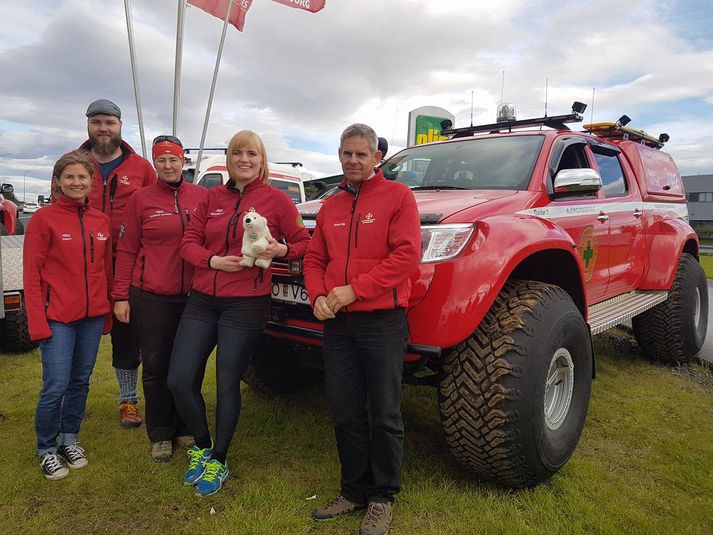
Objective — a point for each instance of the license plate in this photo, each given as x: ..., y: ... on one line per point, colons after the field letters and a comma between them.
x: 291, y: 293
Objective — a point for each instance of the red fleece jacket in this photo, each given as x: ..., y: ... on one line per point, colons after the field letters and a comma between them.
x: 149, y: 251
x: 370, y: 239
x: 67, y: 266
x: 217, y: 229
x: 111, y: 197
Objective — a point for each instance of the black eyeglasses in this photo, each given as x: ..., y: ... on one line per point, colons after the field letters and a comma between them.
x: 171, y: 139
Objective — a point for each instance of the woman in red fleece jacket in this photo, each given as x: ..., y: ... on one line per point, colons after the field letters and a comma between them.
x: 229, y: 304
x: 67, y: 278
x: 152, y: 282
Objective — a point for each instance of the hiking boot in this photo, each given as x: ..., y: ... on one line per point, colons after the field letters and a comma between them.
x: 129, y: 415
x: 73, y: 455
x: 337, y: 507
x: 377, y: 519
x: 161, y: 451
x: 53, y: 467
x: 185, y: 441
x: 212, y: 479
x: 196, y: 466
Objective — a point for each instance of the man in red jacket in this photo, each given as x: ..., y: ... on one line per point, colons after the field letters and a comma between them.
x: 357, y: 270
x: 118, y: 173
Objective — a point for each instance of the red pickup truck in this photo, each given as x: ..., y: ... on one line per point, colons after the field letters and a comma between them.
x: 534, y: 239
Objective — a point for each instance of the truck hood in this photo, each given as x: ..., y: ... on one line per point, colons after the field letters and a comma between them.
x: 433, y: 205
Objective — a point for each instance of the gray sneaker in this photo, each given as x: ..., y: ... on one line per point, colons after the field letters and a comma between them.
x: 377, y: 519
x: 337, y: 507
x: 161, y: 451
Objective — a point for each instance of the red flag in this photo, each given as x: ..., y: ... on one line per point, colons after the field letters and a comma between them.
x: 308, y: 5
x: 219, y: 8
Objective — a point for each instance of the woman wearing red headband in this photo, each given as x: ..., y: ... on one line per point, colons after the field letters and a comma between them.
x: 152, y: 282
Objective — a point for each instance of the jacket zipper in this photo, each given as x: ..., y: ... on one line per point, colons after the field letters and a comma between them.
x: 143, y: 266
x: 356, y: 232
x: 258, y: 278
x: 91, y: 246
x: 233, y: 221
x: 47, y: 301
x: 349, y: 240
x: 80, y: 212
x: 177, y: 207
x: 112, y: 192
x: 396, y: 300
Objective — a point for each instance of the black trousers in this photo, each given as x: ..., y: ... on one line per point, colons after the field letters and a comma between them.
x: 156, y: 319
x: 125, y: 353
x: 363, y: 363
x: 235, y: 325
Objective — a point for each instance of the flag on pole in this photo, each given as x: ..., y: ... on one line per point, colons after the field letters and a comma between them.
x: 308, y: 5
x: 219, y: 8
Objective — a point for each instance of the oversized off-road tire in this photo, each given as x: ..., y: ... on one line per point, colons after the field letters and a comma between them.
x: 14, y: 333
x: 514, y: 396
x: 278, y: 368
x: 674, y: 331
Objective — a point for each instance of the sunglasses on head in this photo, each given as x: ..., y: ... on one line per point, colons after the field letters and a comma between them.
x: 171, y: 139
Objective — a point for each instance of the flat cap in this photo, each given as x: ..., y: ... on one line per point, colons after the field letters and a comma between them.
x: 107, y: 107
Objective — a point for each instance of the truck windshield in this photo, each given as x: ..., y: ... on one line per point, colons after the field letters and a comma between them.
x: 489, y: 163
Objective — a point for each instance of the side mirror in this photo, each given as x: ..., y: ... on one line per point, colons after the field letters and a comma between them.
x: 577, y: 181
x: 8, y: 189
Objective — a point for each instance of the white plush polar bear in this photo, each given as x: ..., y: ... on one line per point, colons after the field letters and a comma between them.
x: 255, y: 240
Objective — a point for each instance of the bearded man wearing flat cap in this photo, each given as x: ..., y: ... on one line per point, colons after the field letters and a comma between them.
x: 118, y: 173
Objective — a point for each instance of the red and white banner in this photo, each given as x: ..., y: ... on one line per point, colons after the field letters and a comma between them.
x: 219, y: 8
x: 308, y: 5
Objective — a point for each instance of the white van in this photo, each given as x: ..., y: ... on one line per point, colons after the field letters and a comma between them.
x: 286, y: 177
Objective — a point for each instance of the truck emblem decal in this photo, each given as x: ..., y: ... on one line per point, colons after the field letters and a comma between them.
x: 588, y: 248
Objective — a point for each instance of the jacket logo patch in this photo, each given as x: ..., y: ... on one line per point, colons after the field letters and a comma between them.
x: 66, y: 236
x: 122, y: 230
x: 102, y: 237
x: 216, y: 212
x: 342, y: 224
x: 125, y: 180
x: 369, y: 218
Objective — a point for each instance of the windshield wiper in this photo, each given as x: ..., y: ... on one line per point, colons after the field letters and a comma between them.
x: 438, y: 187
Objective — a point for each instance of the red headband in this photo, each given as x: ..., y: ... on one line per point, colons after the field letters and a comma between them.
x: 166, y: 147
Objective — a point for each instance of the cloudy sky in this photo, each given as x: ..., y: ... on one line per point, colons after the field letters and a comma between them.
x: 298, y: 78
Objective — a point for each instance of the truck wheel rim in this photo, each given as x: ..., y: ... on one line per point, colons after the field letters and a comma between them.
x: 558, y: 389
x: 697, y: 308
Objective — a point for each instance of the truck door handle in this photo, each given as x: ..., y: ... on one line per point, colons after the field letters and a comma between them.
x: 638, y: 213
x: 602, y: 217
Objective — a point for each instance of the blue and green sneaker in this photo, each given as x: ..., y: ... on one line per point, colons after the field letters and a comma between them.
x: 198, y: 460
x: 212, y: 479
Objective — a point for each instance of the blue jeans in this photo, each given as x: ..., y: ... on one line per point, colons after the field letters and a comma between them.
x: 68, y: 359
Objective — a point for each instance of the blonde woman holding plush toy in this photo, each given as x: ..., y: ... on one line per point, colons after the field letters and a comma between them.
x: 232, y: 239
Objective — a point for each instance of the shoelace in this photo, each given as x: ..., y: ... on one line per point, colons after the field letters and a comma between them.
x: 196, y: 456
x: 131, y: 410
x: 373, y: 514
x: 52, y: 462
x: 211, y: 470
x: 74, y: 451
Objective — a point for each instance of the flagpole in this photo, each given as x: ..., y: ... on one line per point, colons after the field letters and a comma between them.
x: 212, y: 89
x: 130, y: 31
x: 179, y: 61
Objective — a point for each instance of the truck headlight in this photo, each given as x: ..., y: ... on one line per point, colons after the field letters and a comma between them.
x: 443, y: 242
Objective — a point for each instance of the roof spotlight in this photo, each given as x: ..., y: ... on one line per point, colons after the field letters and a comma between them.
x: 663, y: 138
x: 623, y: 120
x: 578, y: 107
x: 446, y: 124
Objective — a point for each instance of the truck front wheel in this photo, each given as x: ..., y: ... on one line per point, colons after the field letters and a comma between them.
x: 674, y: 331
x: 514, y: 396
x: 14, y: 333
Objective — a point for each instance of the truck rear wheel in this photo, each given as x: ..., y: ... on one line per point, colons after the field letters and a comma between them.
x: 514, y: 396
x: 277, y: 368
x: 674, y: 331
x: 14, y: 333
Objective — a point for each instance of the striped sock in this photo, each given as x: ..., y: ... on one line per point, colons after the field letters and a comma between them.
x: 128, y: 380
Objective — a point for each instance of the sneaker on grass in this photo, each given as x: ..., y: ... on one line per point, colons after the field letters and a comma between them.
x: 212, y: 479
x: 337, y: 507
x: 185, y: 441
x: 196, y: 466
x: 129, y: 415
x: 377, y: 519
x: 53, y: 467
x: 73, y: 455
x: 161, y: 451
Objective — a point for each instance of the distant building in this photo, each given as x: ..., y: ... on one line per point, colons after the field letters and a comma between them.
x: 699, y: 197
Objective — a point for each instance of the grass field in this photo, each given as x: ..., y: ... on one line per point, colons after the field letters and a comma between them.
x: 707, y: 263
x: 644, y: 465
